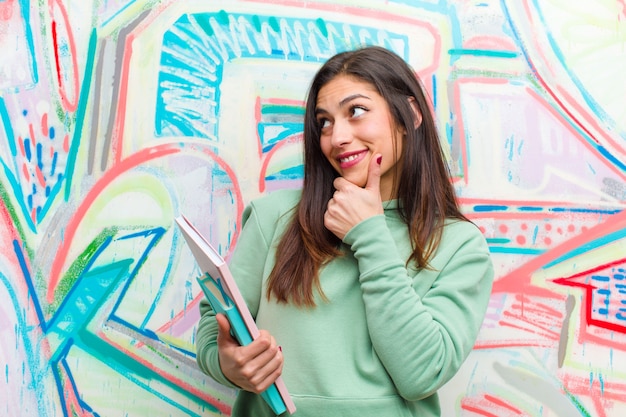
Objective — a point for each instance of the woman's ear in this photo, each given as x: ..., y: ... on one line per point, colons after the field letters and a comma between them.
x: 417, y: 115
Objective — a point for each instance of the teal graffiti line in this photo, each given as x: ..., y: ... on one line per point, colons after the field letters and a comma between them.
x: 535, y: 234
x: 516, y: 251
x: 272, y: 133
x: 280, y: 109
x: 294, y: 173
x: 10, y: 174
x: 498, y: 241
x: 455, y: 30
x: 279, y: 122
x: 125, y: 6
x: 86, y: 297
x: 80, y: 117
x: 436, y: 6
x: 604, y: 240
x: 8, y: 127
x: 25, y: 10
x: 484, y: 52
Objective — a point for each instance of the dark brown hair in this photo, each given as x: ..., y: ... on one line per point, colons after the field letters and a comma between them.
x: 425, y: 193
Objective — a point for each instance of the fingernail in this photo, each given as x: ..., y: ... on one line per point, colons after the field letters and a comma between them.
x: 280, y: 348
x: 379, y: 159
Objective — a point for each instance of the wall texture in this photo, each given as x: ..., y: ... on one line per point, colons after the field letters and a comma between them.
x: 116, y: 116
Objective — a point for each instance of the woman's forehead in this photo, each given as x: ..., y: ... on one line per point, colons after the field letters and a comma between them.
x: 342, y: 87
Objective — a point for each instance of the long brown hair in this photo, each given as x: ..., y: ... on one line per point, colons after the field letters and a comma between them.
x: 424, y: 190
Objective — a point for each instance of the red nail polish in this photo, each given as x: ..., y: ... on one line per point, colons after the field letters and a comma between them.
x: 280, y: 348
x: 379, y: 159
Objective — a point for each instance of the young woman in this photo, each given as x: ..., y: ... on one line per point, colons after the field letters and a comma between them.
x: 370, y: 278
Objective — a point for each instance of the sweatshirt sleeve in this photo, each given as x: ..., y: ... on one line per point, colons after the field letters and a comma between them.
x: 424, y: 323
x: 246, y: 264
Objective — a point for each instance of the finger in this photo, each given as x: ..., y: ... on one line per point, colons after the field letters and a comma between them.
x: 223, y: 334
x: 373, y: 175
x: 261, y: 363
x: 340, y: 183
x: 270, y: 364
x: 267, y: 375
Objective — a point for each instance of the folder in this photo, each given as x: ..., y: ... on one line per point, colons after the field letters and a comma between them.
x: 221, y: 291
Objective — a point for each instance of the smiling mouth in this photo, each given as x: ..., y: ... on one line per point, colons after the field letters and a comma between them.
x: 348, y: 161
x: 348, y: 158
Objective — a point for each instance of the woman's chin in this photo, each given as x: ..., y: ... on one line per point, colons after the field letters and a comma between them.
x: 358, y: 180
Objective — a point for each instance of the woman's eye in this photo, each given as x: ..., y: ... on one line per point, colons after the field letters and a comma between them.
x: 357, y: 111
x: 323, y: 123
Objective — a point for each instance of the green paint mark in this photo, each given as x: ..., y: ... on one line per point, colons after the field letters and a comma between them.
x: 577, y: 403
x: 78, y: 268
x: 166, y: 358
x: 4, y: 196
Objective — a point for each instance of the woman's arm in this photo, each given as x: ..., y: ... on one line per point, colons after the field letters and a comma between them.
x: 423, y: 326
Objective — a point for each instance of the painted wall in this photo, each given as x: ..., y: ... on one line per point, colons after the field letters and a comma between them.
x: 116, y: 116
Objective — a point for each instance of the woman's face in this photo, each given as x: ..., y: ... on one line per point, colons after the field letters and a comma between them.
x: 355, y: 125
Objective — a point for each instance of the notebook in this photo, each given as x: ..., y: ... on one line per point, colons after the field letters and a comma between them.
x: 221, y: 291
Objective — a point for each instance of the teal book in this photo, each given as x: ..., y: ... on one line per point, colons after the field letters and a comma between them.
x: 221, y: 291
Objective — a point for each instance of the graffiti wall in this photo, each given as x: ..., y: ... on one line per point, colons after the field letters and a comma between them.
x: 116, y: 116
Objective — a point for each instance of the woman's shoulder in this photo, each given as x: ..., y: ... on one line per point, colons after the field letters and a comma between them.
x: 281, y: 200
x: 461, y: 238
x: 462, y: 231
x: 274, y: 205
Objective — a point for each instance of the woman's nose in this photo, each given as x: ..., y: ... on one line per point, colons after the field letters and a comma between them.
x: 342, y: 134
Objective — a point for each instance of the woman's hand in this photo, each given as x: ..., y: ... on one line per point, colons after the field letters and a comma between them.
x: 352, y: 204
x: 254, y: 367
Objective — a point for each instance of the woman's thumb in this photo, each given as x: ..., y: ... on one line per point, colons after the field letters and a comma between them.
x: 373, y: 175
x: 223, y: 325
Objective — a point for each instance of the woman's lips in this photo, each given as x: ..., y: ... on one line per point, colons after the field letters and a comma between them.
x: 348, y: 160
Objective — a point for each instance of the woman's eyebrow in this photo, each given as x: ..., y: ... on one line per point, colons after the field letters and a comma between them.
x: 350, y: 98
x: 343, y: 102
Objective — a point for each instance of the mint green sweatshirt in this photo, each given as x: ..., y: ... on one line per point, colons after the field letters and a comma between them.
x: 387, y: 338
